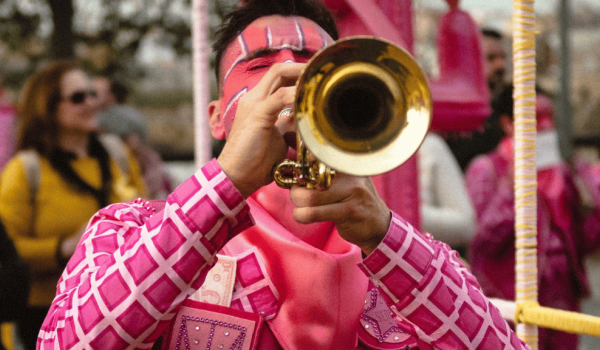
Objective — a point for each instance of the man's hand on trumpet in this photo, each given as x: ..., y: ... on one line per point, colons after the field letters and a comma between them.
x: 352, y: 203
x: 256, y: 141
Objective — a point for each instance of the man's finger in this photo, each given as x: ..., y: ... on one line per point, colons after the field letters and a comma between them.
x: 279, y: 75
x: 304, y: 197
x: 329, y: 212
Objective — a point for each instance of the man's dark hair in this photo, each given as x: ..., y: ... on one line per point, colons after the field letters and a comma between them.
x: 491, y: 33
x: 240, y: 17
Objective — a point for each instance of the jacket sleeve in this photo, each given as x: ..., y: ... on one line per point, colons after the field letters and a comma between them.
x: 135, y: 265
x: 433, y: 293
x: 492, y: 198
x: 587, y: 180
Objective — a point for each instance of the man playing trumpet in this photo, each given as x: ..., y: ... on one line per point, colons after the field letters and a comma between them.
x: 332, y: 269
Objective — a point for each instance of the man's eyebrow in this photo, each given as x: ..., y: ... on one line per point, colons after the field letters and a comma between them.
x: 262, y: 52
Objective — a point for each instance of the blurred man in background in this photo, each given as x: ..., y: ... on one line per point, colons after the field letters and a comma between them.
x: 117, y: 117
x: 465, y: 147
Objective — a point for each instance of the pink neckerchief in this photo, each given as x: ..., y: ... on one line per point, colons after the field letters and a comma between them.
x: 321, y: 292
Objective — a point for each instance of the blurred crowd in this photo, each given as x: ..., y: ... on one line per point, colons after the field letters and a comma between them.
x: 70, y: 147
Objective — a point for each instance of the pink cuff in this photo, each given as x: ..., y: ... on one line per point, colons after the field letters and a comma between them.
x: 209, y: 196
x: 401, y: 260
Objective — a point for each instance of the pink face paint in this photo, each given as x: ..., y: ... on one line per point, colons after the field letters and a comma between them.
x: 291, y: 39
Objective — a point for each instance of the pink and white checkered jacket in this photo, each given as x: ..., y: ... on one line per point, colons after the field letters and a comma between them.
x: 136, y: 266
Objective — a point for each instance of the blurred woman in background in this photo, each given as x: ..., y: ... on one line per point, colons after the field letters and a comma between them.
x: 62, y: 174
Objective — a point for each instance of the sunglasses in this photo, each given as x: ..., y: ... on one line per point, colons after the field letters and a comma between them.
x: 79, y: 97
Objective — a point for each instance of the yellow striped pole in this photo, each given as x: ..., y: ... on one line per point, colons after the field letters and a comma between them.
x: 525, y: 184
x: 532, y: 313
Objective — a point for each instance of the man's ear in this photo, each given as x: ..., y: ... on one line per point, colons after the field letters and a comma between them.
x: 214, y: 120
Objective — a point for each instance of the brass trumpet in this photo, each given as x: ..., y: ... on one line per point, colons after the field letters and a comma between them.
x: 363, y: 107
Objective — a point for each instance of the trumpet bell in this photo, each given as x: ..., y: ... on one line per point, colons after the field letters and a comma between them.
x: 363, y: 106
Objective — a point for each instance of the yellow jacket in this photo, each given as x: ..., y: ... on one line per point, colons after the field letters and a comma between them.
x: 60, y: 211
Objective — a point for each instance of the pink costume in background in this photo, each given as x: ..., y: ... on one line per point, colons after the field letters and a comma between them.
x: 135, y: 266
x: 562, y: 239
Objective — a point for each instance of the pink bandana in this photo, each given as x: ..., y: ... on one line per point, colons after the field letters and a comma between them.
x: 320, y: 289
